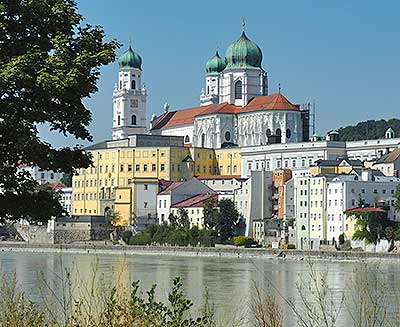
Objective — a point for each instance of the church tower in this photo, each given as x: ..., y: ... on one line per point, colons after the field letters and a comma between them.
x: 243, y: 77
x: 214, y: 67
x: 129, y: 97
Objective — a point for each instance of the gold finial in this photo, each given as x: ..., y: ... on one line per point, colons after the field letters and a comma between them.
x: 130, y: 41
x: 243, y: 24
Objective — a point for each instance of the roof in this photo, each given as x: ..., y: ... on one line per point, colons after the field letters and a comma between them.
x: 334, y: 163
x: 390, y: 157
x: 56, y: 185
x: 210, y: 177
x: 171, y: 187
x: 187, y: 116
x: 196, y: 201
x: 271, y: 102
x: 366, y: 209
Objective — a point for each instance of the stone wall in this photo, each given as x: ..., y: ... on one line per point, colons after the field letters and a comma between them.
x: 35, y: 234
x: 66, y: 236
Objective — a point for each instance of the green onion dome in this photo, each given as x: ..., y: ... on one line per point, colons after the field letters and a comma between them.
x: 215, y: 65
x: 130, y: 59
x: 243, y: 53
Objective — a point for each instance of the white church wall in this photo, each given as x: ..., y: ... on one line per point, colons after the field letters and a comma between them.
x: 185, y: 131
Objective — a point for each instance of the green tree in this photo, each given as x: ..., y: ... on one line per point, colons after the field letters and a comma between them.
x: 227, y: 220
x: 67, y: 179
x: 172, y: 220
x: 183, y: 218
x: 211, y: 214
x: 49, y: 62
x: 397, y: 199
x: 371, y: 225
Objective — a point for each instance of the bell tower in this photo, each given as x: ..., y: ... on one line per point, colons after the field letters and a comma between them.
x: 129, y: 97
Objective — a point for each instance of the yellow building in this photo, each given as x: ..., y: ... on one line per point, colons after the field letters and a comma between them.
x: 121, y: 168
x: 342, y: 166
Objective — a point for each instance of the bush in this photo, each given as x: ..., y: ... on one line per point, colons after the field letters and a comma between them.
x: 242, y: 240
x: 142, y: 238
x: 126, y: 235
x: 341, y: 239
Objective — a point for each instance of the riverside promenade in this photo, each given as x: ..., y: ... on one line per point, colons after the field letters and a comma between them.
x: 226, y: 252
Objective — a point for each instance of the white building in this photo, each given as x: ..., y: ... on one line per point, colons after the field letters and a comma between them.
x: 129, y: 97
x: 43, y: 176
x: 235, y: 106
x: 177, y: 192
x: 322, y: 200
x: 226, y: 186
x: 66, y: 199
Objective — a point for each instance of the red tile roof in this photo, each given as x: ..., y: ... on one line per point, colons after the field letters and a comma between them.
x: 367, y: 209
x: 56, y: 185
x: 186, y: 116
x: 271, y: 102
x: 196, y: 201
x: 393, y: 156
x: 171, y: 187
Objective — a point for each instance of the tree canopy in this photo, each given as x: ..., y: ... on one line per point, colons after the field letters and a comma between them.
x: 370, y: 129
x: 49, y: 62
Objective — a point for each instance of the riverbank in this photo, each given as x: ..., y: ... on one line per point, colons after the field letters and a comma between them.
x: 193, y: 252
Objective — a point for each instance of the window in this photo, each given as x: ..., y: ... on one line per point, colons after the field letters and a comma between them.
x: 268, y: 133
x: 153, y: 167
x: 121, y: 168
x: 288, y: 133
x: 146, y: 187
x: 162, y: 167
x: 119, y: 120
x: 238, y: 90
x: 137, y: 167
x: 145, y: 205
x: 133, y: 85
x: 187, y: 139
x: 203, y: 140
x: 133, y: 120
x: 129, y: 167
x: 227, y: 136
x: 145, y: 167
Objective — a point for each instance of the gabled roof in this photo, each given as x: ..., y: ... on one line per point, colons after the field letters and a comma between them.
x: 211, y: 177
x: 171, y: 187
x: 187, y: 116
x: 390, y: 157
x: 196, y: 201
x: 366, y: 209
x: 271, y: 102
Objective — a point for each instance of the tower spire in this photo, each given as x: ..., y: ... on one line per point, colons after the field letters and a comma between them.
x: 243, y: 24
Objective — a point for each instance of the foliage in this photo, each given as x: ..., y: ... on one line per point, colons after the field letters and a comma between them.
x: 175, y: 236
x: 397, y: 199
x: 341, y: 239
x: 242, y: 240
x: 113, y: 217
x: 227, y: 220
x: 25, y: 205
x: 371, y: 226
x: 172, y: 219
x: 211, y: 214
x: 288, y: 246
x: 49, y: 62
x: 183, y: 218
x: 368, y: 130
x: 141, y: 238
x: 126, y: 235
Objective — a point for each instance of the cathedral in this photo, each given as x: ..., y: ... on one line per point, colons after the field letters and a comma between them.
x: 235, y: 108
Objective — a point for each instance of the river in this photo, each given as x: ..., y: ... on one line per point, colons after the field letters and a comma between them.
x: 230, y: 281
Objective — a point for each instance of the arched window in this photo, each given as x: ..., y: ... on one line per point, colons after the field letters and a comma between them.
x: 119, y: 120
x: 278, y: 132
x: 288, y: 133
x: 120, y: 85
x: 203, y: 140
x: 227, y: 136
x: 133, y: 84
x: 268, y: 132
x: 238, y: 90
x: 303, y: 227
x: 133, y: 120
x: 187, y: 139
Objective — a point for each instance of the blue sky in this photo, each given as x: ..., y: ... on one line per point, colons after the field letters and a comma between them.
x: 343, y: 54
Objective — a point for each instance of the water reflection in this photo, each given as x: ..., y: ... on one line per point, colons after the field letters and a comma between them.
x: 230, y: 282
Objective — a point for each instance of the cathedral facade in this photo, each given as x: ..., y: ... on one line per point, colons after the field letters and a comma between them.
x: 235, y: 108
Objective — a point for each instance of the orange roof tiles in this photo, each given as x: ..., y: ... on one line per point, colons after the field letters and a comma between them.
x: 186, y: 116
x: 271, y: 102
x: 393, y: 156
